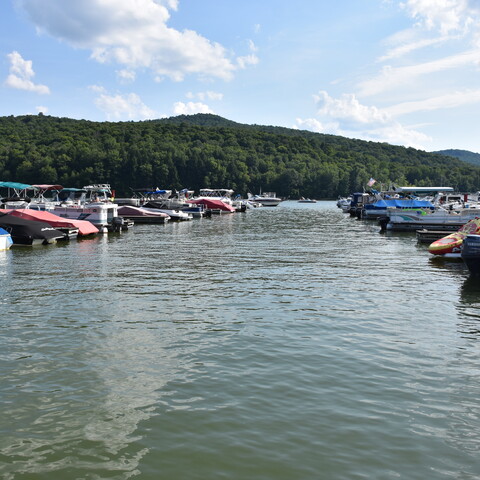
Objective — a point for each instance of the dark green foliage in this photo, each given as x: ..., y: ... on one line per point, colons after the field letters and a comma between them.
x: 200, y: 151
x: 465, y: 155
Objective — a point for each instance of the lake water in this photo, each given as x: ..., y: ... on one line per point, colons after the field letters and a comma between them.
x: 284, y: 343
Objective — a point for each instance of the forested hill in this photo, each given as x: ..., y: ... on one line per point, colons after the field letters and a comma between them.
x: 202, y: 151
x: 465, y: 155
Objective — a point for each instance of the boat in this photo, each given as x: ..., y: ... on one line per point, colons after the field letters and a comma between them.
x: 70, y: 227
x: 451, y: 220
x: 29, y: 232
x: 471, y: 253
x: 16, y: 196
x: 92, y: 203
x: 5, y: 240
x: 306, y: 200
x: 380, y: 207
x: 214, y: 205
x: 142, y: 214
x: 267, y: 199
x: 451, y: 245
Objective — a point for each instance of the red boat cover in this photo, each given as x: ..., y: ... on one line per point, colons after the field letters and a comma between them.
x: 84, y: 227
x: 213, y: 204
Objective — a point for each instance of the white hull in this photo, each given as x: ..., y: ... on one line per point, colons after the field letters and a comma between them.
x: 100, y: 214
x: 5, y: 242
x: 439, y: 219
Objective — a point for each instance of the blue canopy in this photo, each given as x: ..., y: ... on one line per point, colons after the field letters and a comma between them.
x: 17, y: 186
x: 399, y: 203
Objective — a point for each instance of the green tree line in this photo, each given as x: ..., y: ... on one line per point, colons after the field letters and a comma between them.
x: 207, y: 151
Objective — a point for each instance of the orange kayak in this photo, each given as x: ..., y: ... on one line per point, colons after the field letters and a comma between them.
x: 453, y: 243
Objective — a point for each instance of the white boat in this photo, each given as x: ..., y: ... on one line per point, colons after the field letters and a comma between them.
x: 267, y: 199
x: 5, y: 240
x: 222, y: 194
x: 306, y: 200
x: 92, y: 203
x: 142, y: 214
x: 440, y: 219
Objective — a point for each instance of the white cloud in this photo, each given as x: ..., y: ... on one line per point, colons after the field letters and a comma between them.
x: 190, y: 108
x: 41, y: 109
x: 126, y: 76
x: 393, y: 77
x: 124, y: 107
x: 97, y: 89
x: 346, y: 116
x: 401, y: 50
x: 134, y: 34
x: 243, y: 62
x: 209, y: 95
x: 21, y: 74
x: 348, y: 109
x: 443, y: 15
x: 450, y: 100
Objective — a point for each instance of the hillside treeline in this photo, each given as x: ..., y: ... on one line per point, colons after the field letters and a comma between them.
x: 206, y: 151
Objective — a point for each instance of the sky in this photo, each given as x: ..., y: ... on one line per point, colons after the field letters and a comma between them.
x: 405, y: 72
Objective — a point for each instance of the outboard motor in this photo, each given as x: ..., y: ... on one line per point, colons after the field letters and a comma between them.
x: 117, y: 223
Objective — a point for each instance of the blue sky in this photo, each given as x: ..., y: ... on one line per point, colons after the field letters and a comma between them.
x: 406, y: 72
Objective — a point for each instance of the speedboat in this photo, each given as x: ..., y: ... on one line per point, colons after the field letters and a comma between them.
x: 143, y: 214
x: 29, y: 232
x: 214, y: 205
x: 451, y: 245
x: 267, y: 199
x: 92, y: 203
x: 5, y: 240
x: 70, y: 227
x: 306, y: 200
x: 175, y: 215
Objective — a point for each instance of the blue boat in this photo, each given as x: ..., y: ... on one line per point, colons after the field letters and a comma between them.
x: 5, y: 240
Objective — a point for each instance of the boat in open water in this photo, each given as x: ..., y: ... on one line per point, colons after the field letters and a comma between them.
x: 267, y: 199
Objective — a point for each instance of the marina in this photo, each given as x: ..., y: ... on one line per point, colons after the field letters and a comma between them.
x: 282, y: 343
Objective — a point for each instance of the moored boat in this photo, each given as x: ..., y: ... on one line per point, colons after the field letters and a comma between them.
x: 5, y: 240
x: 143, y: 214
x: 29, y: 232
x: 451, y: 245
x: 66, y: 225
x: 471, y: 253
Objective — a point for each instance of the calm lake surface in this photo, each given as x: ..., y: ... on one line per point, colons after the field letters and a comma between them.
x: 284, y: 343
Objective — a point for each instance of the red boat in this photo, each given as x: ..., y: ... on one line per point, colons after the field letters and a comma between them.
x: 84, y: 227
x: 213, y: 205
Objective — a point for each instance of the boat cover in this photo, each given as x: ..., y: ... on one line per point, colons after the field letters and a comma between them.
x: 84, y: 226
x: 213, y: 204
x: 20, y: 228
x: 399, y: 203
x: 131, y: 211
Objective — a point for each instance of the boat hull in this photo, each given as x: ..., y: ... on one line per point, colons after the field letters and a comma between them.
x: 471, y: 254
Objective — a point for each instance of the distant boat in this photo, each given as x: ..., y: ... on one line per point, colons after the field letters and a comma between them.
x: 267, y: 199
x: 307, y: 200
